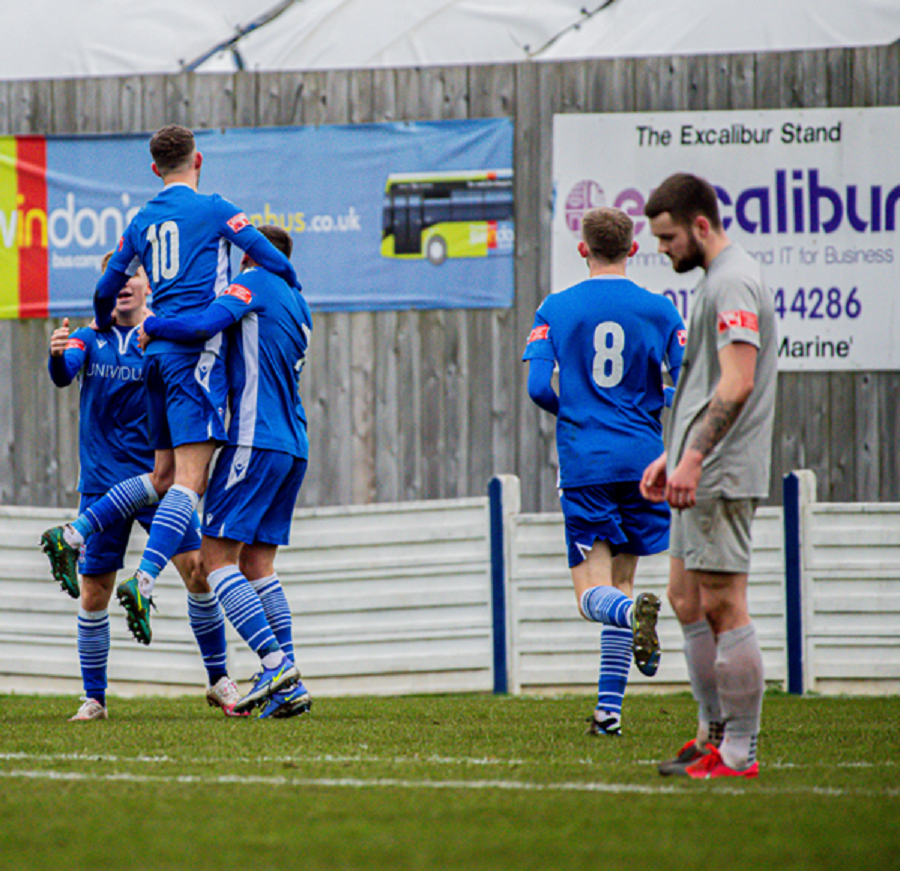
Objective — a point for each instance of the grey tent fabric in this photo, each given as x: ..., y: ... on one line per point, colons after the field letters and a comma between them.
x: 62, y: 39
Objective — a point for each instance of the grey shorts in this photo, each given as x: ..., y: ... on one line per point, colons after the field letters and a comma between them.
x: 714, y: 535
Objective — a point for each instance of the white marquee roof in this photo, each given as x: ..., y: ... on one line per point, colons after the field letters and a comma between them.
x: 67, y: 39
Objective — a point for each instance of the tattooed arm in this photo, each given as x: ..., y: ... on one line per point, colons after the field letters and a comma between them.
x: 738, y: 364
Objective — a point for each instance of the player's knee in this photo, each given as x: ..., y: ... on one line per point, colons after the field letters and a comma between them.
x: 96, y: 591
x: 191, y: 570
x: 726, y: 614
x: 162, y: 481
x: 685, y: 605
x: 198, y: 578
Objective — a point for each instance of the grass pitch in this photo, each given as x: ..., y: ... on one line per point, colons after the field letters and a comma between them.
x: 441, y: 782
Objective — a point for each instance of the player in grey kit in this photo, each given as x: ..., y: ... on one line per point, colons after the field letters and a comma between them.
x: 714, y: 472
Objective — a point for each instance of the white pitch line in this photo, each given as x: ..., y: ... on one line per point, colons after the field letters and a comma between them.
x: 375, y: 760
x: 327, y: 757
x: 461, y: 785
x: 346, y: 782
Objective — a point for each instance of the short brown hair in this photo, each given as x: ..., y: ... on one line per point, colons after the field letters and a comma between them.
x: 280, y: 238
x: 608, y: 233
x: 172, y: 148
x: 105, y: 261
x: 684, y: 197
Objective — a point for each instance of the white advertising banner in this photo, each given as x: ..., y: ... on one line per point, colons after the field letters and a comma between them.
x: 813, y: 195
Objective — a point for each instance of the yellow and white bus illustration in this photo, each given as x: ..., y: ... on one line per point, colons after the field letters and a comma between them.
x: 441, y: 215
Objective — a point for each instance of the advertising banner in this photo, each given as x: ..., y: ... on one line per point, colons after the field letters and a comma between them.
x: 813, y: 195
x: 383, y: 216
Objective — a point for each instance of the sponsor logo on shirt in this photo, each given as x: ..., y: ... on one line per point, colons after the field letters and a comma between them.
x: 238, y: 222
x: 75, y: 343
x: 241, y: 292
x: 682, y: 337
x: 539, y: 333
x: 114, y: 372
x: 121, y: 244
x: 738, y: 319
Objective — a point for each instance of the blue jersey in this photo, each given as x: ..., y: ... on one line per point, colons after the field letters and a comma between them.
x: 266, y: 351
x: 610, y: 338
x: 112, y: 436
x: 183, y: 239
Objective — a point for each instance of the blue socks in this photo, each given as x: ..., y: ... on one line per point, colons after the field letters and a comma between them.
x: 607, y: 605
x: 278, y: 612
x: 244, y: 610
x: 208, y: 626
x: 118, y: 504
x: 167, y: 530
x: 615, y: 663
x: 93, y: 652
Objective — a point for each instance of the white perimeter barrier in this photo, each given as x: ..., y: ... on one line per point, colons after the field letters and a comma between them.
x: 470, y: 595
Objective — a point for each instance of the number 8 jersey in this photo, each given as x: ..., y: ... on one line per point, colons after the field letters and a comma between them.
x: 610, y: 338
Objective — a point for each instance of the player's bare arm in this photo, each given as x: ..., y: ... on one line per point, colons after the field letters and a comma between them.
x: 719, y: 417
x: 738, y: 365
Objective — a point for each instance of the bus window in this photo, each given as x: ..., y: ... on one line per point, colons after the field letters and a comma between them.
x: 408, y: 224
x: 498, y: 205
x: 436, y: 211
x: 467, y: 205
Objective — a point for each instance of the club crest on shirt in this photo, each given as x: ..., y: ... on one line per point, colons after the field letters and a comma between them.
x: 682, y: 337
x: 238, y: 222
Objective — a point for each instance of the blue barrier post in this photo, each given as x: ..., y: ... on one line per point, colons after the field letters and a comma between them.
x: 498, y: 584
x: 793, y: 582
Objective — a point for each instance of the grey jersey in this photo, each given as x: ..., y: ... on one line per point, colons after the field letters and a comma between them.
x: 731, y: 304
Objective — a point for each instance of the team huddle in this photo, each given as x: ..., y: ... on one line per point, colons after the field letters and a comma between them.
x: 215, y: 367
x: 210, y: 345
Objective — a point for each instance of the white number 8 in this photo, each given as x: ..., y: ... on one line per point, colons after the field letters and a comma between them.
x: 609, y: 365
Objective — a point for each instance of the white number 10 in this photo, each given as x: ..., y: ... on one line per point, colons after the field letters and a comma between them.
x: 164, y: 243
x: 609, y: 365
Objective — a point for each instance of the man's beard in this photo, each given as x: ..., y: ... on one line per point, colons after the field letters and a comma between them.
x: 692, y: 259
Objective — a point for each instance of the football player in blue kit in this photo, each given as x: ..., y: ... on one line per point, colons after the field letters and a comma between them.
x: 182, y: 238
x: 257, y: 476
x: 610, y: 339
x: 113, y: 446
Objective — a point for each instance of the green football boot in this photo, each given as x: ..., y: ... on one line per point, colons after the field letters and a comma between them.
x: 63, y: 560
x: 137, y: 609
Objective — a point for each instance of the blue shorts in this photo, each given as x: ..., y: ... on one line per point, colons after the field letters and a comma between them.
x: 186, y: 397
x: 105, y: 551
x: 616, y: 513
x: 252, y: 495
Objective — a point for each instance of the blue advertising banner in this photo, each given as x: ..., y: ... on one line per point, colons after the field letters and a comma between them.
x: 383, y: 216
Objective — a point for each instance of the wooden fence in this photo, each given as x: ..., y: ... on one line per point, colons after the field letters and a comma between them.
x: 410, y: 405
